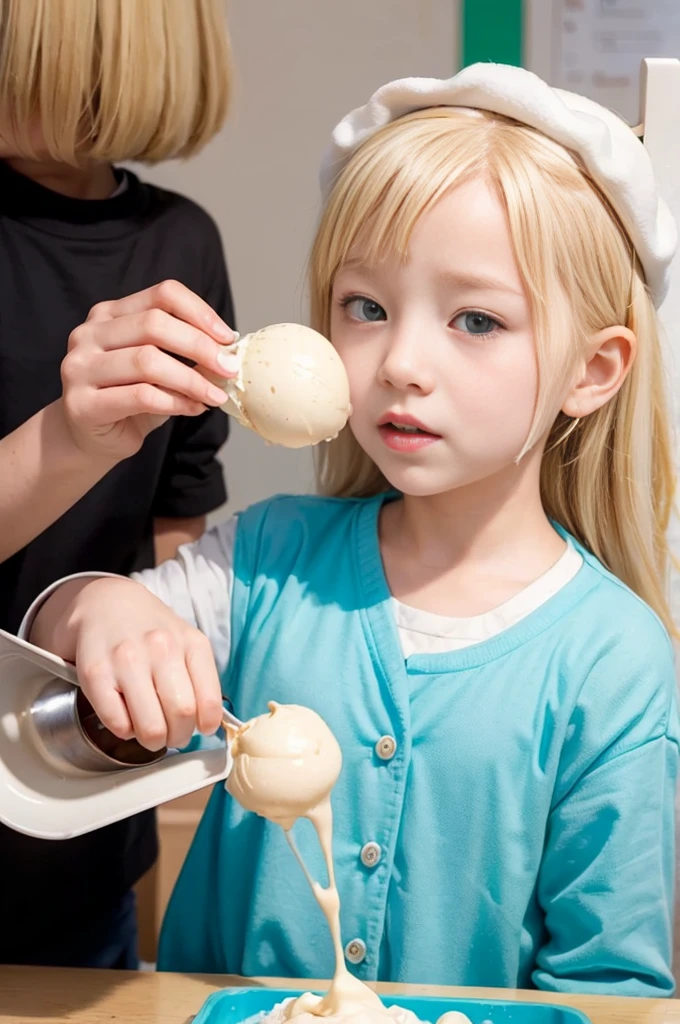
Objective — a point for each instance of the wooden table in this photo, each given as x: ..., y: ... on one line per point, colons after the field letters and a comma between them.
x: 39, y: 995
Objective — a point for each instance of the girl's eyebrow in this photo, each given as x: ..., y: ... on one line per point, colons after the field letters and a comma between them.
x: 355, y: 263
x: 458, y: 278
x: 478, y: 282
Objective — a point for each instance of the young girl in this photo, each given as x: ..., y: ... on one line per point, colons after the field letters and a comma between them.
x: 477, y: 606
x: 123, y: 276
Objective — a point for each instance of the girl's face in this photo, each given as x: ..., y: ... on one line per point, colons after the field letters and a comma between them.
x: 439, y: 349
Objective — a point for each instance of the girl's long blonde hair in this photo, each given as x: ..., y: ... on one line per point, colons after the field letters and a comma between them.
x: 611, y: 482
x: 114, y: 80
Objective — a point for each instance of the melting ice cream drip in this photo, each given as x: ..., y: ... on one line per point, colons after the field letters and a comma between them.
x: 285, y: 766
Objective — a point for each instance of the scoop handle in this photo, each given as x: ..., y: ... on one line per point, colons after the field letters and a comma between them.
x: 230, y: 721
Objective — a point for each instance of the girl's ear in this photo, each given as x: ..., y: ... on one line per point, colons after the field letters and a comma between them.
x: 609, y: 356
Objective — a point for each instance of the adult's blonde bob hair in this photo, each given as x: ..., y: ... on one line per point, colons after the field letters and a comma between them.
x: 611, y: 481
x: 114, y: 80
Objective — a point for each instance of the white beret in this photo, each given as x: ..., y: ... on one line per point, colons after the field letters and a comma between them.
x: 614, y: 156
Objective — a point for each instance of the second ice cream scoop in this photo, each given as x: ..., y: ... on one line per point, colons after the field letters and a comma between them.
x: 286, y: 763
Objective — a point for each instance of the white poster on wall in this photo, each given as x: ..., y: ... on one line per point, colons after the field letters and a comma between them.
x: 597, y: 46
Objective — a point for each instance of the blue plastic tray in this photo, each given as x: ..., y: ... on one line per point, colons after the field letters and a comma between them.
x: 235, y: 1005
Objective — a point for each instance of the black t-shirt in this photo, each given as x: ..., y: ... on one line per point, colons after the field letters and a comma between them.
x: 58, y: 257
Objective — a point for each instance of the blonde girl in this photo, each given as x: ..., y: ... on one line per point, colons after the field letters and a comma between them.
x: 477, y: 603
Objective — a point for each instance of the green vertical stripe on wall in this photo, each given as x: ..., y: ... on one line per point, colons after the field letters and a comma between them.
x: 491, y: 30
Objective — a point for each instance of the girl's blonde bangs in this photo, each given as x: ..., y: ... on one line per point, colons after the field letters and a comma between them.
x: 114, y: 80
x: 379, y: 198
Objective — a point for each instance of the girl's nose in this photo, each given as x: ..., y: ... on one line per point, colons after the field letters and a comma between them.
x: 405, y: 365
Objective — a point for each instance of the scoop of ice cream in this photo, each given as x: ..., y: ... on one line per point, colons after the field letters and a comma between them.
x: 292, y: 388
x: 285, y: 763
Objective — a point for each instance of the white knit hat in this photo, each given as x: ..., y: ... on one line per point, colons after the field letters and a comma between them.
x: 614, y: 156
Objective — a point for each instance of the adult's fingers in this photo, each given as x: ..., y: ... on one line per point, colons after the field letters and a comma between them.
x: 176, y: 695
x: 206, y: 684
x: 98, y: 681
x: 99, y: 408
x: 132, y: 666
x: 173, y: 297
x: 152, y: 327
x: 147, y: 364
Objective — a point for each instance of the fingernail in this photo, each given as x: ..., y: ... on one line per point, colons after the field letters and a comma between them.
x: 228, y: 359
x: 221, y: 330
x: 217, y: 395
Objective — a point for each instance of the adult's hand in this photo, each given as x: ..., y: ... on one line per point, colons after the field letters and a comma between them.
x: 121, y: 379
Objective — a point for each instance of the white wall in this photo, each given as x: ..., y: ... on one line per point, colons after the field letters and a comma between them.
x: 301, y: 65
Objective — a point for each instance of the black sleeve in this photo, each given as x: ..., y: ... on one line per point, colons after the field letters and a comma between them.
x: 192, y: 479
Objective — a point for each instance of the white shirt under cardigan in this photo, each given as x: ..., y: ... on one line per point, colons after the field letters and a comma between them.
x: 205, y: 571
x: 199, y: 582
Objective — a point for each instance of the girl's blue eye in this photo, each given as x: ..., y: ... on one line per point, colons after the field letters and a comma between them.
x: 364, y: 309
x: 474, y: 322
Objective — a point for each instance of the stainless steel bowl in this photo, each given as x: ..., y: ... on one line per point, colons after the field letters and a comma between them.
x: 70, y: 737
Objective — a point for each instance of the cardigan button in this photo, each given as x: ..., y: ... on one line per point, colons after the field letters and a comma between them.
x: 355, y: 951
x: 370, y: 854
x: 386, y: 748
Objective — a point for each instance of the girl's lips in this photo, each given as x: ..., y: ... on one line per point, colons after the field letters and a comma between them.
x: 405, y: 441
x: 402, y: 419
